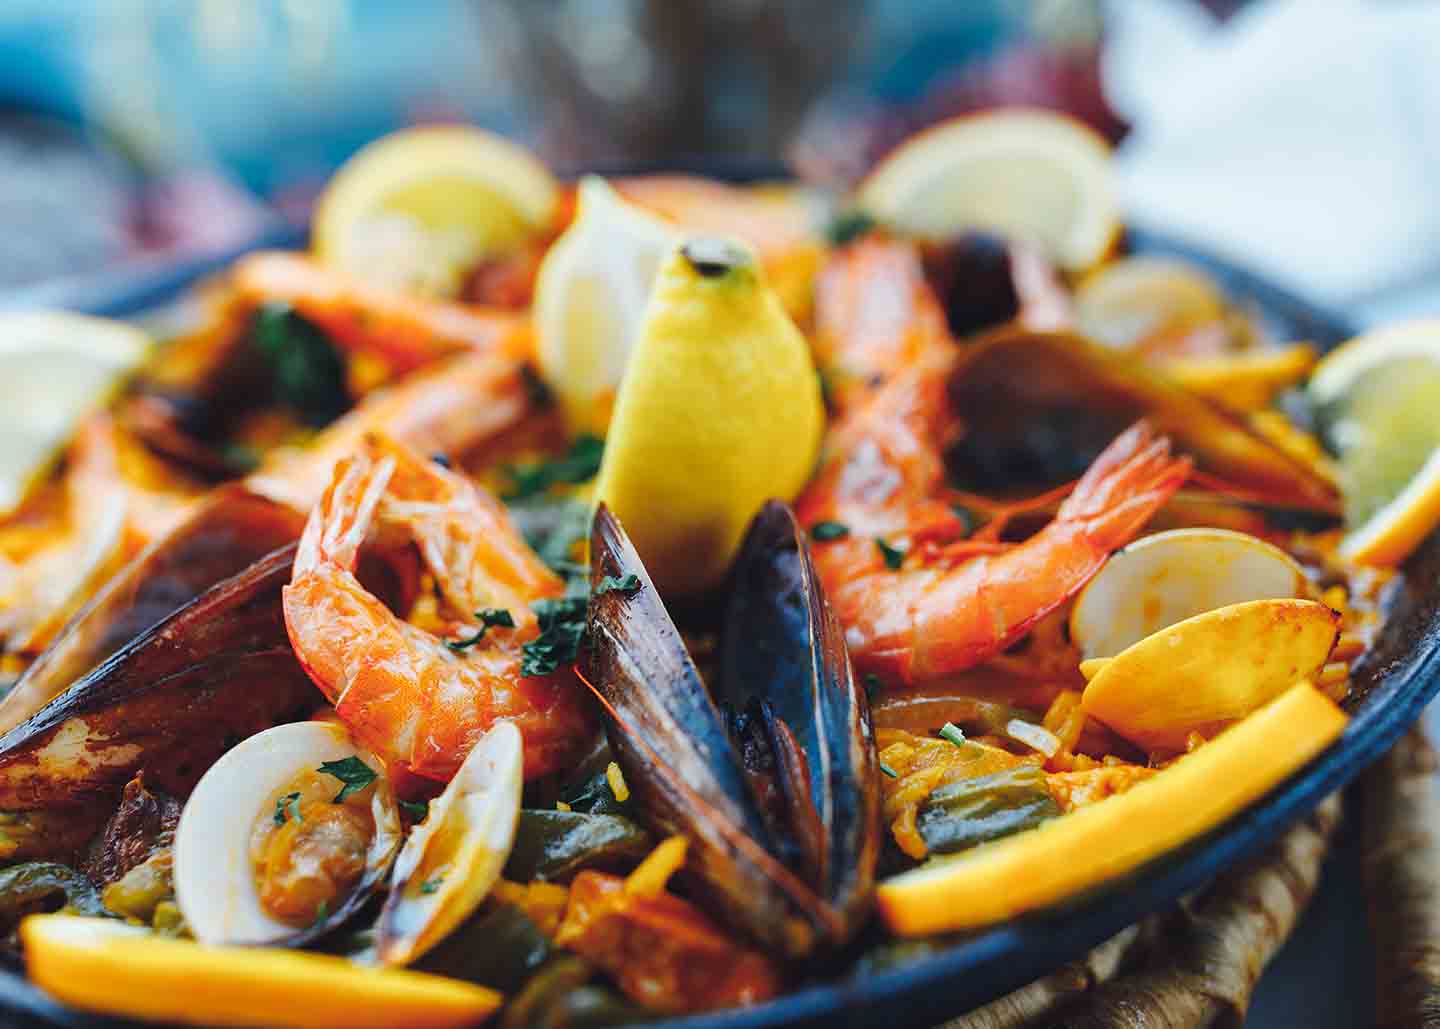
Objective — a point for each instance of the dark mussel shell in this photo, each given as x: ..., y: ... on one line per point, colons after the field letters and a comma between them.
x: 171, y: 701
x: 799, y: 718
x: 685, y: 770
x: 1038, y: 407
x: 231, y: 530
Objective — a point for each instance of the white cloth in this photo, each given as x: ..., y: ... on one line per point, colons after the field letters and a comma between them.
x: 1300, y: 138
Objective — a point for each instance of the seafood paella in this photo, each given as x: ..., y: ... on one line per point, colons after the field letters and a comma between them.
x: 578, y: 603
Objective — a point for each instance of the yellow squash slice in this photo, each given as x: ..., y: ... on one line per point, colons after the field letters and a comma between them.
x: 103, y: 965
x: 1094, y: 845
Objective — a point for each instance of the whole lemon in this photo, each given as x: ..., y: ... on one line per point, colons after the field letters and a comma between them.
x: 719, y: 411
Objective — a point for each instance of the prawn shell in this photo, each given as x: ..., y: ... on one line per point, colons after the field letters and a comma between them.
x: 683, y: 771
x: 1169, y: 576
x: 787, y: 684
x: 214, y: 870
x: 1204, y: 673
x: 1038, y: 406
x: 454, y: 857
x: 170, y: 702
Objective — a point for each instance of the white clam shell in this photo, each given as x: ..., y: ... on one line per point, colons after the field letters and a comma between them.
x: 454, y: 857
x: 1171, y: 576
x: 214, y: 871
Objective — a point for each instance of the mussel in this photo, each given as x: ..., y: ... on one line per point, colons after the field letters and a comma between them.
x: 1038, y: 407
x: 231, y: 530
x: 171, y: 701
x: 776, y: 786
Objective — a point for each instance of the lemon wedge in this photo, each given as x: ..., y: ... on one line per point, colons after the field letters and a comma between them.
x: 1024, y: 173
x: 104, y: 965
x: 416, y: 209
x: 55, y: 368
x: 1127, y: 301
x: 589, y: 297
x: 719, y: 411
x: 1377, y: 398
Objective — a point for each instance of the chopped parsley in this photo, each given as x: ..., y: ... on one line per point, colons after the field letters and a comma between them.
x: 889, y: 771
x: 321, y: 911
x: 490, y: 618
x: 562, y: 623
x: 431, y: 885
x: 611, y: 584
x: 351, y: 771
x: 967, y: 517
x: 848, y: 226
x: 416, y: 809
x: 554, y: 527
x: 288, y: 805
x: 894, y: 556
x: 307, y: 372
x: 824, y: 532
x: 578, y: 465
x: 950, y: 731
x: 873, y: 684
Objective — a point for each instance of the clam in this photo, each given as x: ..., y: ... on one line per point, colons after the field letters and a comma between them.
x: 1039, y: 407
x: 454, y: 857
x: 1169, y: 576
x: 284, y: 838
x: 1203, y: 673
x: 778, y: 794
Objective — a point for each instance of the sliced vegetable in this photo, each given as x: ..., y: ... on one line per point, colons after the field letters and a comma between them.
x: 974, y: 811
x: 44, y: 886
x: 500, y: 947
x: 557, y: 844
x: 1098, y: 844
x: 107, y: 966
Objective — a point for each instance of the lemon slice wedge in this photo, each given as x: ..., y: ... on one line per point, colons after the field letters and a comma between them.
x: 1024, y: 173
x: 589, y: 297
x: 416, y: 209
x: 1377, y: 399
x: 55, y: 368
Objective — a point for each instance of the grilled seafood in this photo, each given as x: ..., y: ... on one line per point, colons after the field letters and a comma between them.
x: 405, y: 694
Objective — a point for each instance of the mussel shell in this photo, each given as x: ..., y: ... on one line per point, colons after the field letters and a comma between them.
x: 672, y: 744
x: 231, y: 530
x: 171, y: 701
x: 1039, y: 407
x: 800, y: 717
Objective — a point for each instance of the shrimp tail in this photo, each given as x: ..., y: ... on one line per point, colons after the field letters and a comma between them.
x: 1125, y: 485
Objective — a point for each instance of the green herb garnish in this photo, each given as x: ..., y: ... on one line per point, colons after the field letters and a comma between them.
x: 824, y: 532
x: 968, y: 517
x: 308, y: 374
x: 490, y: 618
x: 416, y: 809
x: 894, y: 556
x: 848, y: 226
x: 611, y: 584
x: 889, y: 771
x: 562, y: 623
x: 578, y: 465
x: 288, y: 805
x: 321, y: 911
x: 351, y: 771
x: 950, y: 731
x: 431, y: 885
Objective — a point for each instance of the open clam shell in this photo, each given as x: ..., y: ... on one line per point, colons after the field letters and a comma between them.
x: 1169, y: 576
x: 215, y: 868
x: 454, y: 857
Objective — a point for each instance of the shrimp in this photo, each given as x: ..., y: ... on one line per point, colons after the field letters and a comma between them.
x: 874, y: 315
x: 918, y: 600
x: 405, y: 331
x: 402, y: 691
